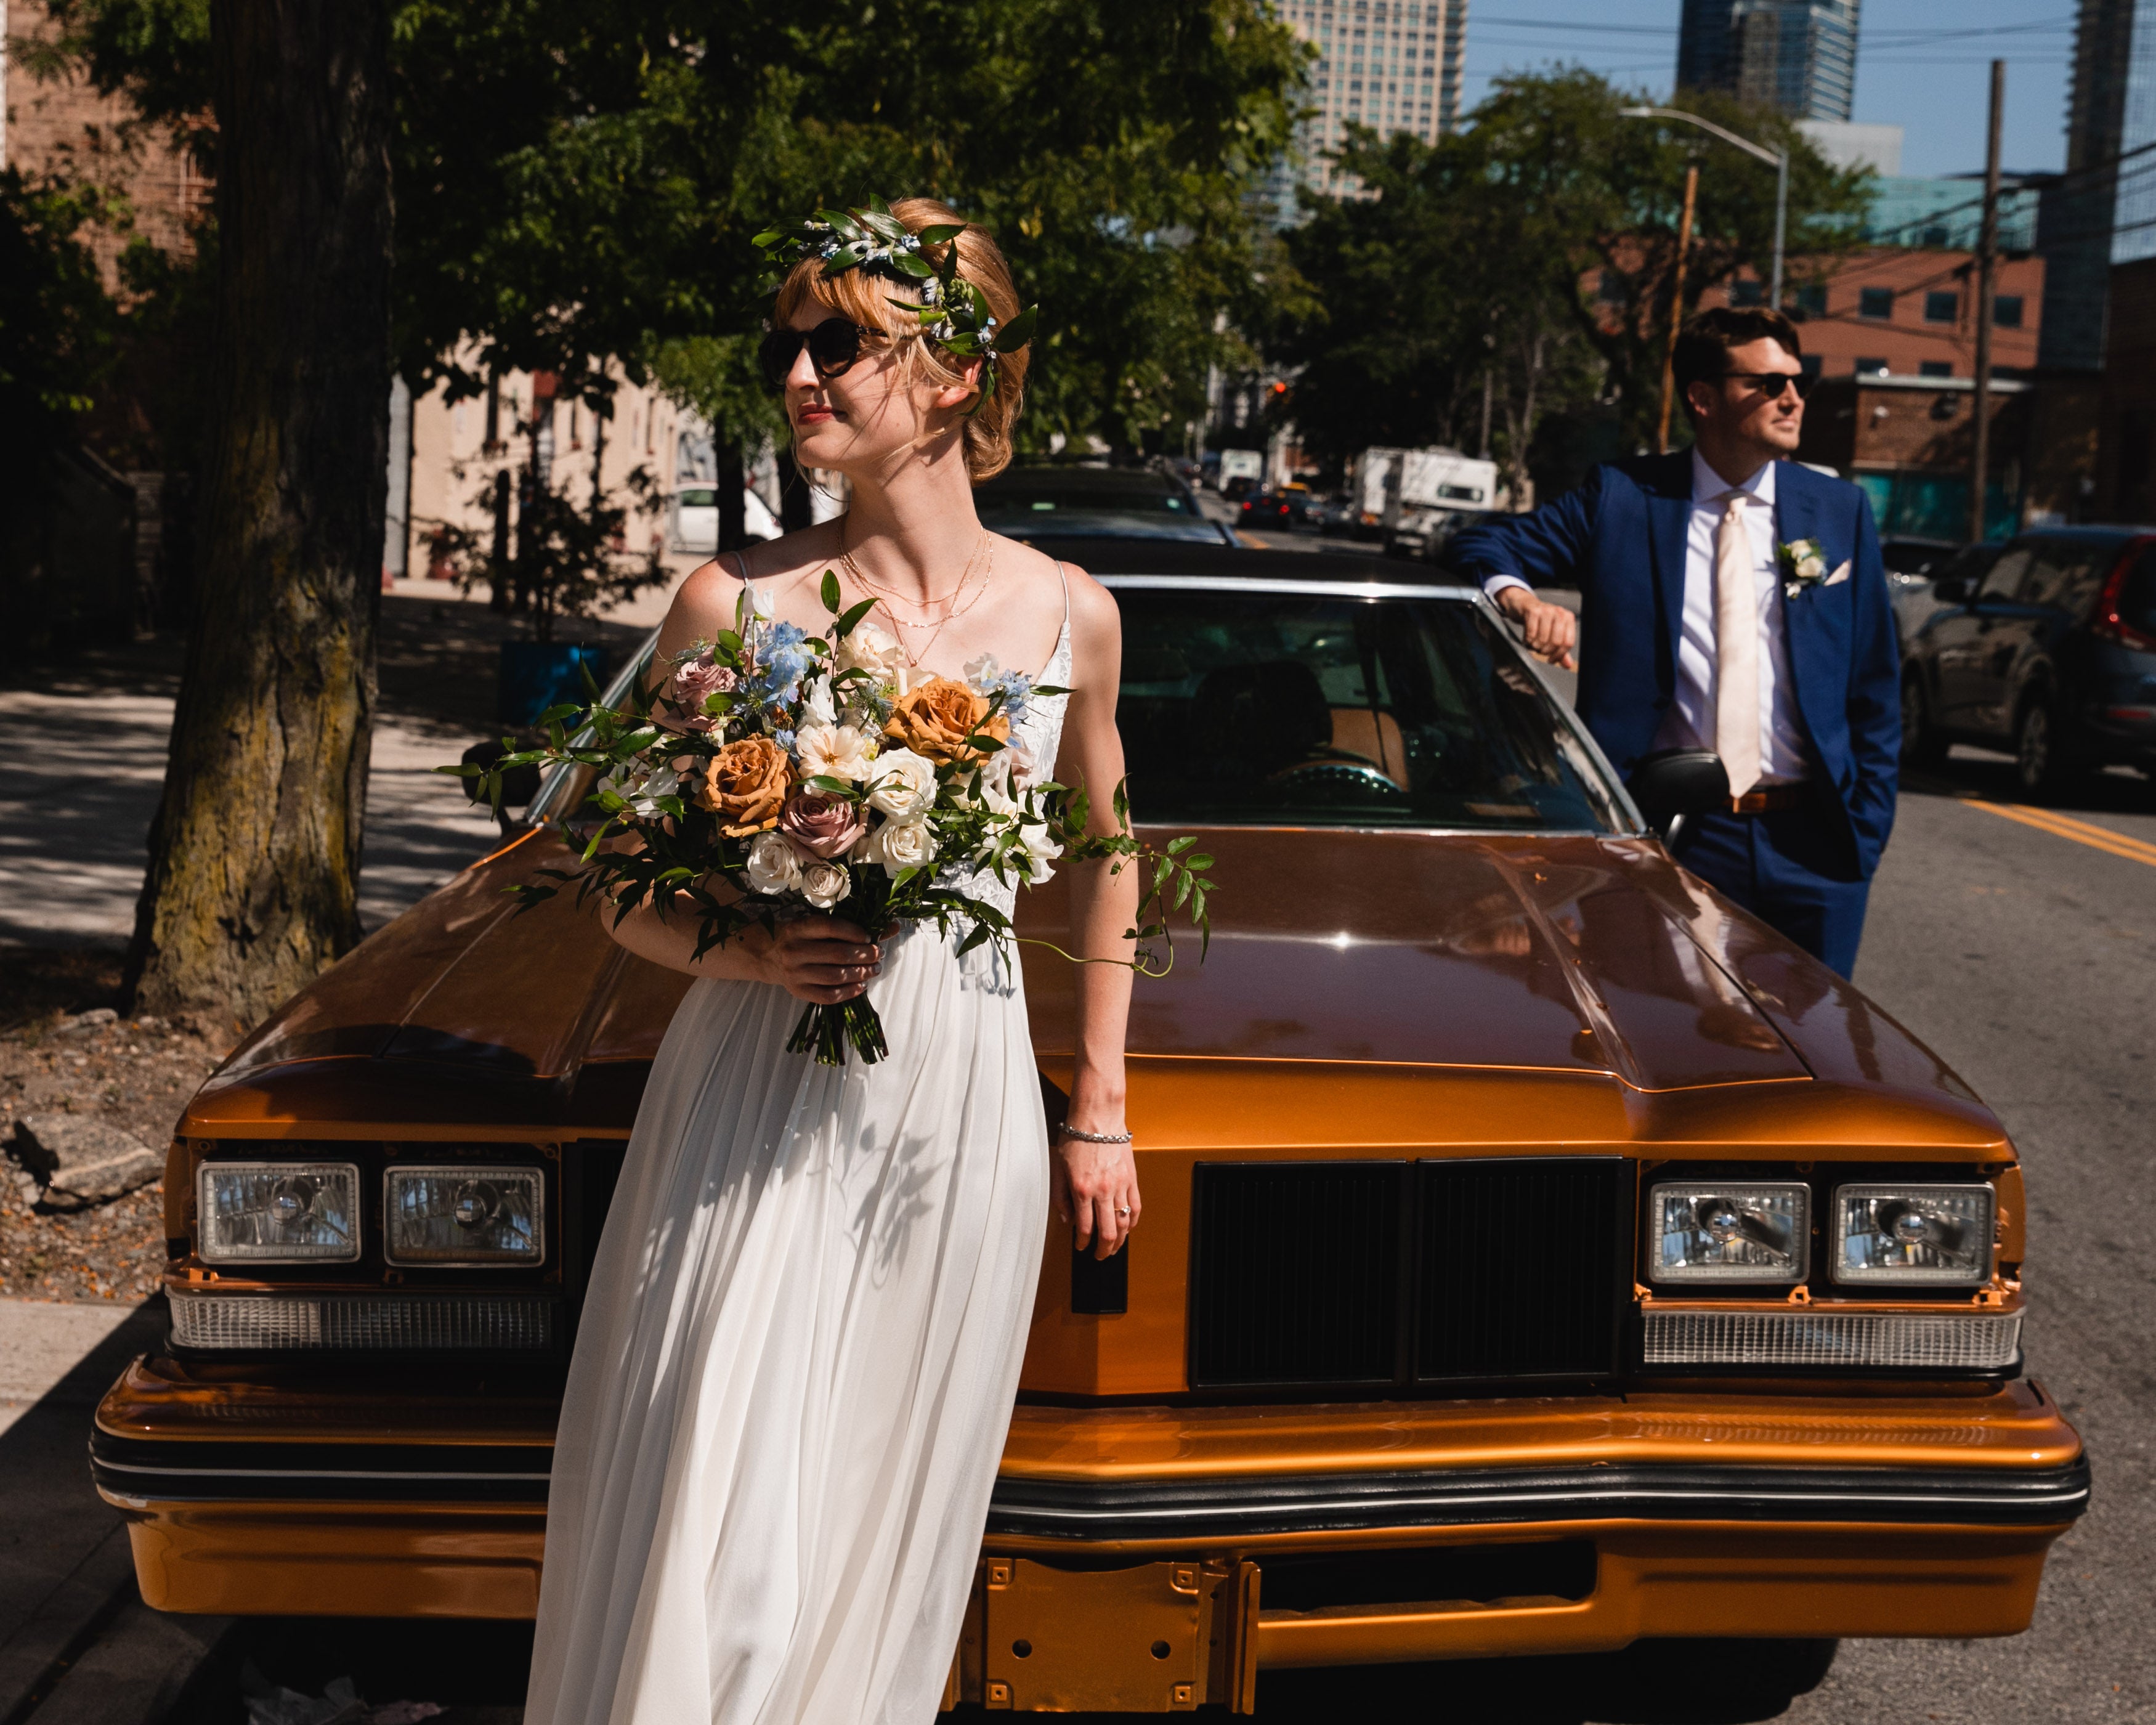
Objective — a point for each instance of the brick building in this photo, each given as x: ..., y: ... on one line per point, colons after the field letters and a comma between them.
x: 2126, y: 467
x: 1906, y: 313
x: 60, y: 127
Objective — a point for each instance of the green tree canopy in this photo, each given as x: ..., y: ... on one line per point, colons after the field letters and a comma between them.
x: 1535, y: 247
x: 577, y: 182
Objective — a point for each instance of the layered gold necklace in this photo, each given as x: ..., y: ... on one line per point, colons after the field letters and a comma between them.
x: 981, y: 563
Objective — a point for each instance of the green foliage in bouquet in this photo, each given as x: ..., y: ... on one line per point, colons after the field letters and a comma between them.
x: 771, y: 773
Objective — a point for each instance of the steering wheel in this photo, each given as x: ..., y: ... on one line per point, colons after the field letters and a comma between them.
x: 1345, y: 773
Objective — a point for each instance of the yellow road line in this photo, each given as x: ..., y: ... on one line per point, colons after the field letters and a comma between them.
x: 2061, y: 826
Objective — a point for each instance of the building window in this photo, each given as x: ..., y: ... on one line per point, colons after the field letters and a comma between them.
x: 2006, y: 311
x: 1747, y: 293
x: 1941, y: 306
x: 1875, y: 302
x: 1810, y: 363
x: 1811, y: 298
x: 1871, y: 368
x: 1935, y: 368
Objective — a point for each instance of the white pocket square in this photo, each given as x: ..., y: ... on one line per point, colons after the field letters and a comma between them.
x: 1840, y: 574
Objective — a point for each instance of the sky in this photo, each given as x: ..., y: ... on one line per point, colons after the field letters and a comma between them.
x: 1921, y: 65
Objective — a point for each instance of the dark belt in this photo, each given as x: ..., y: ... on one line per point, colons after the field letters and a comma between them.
x: 1769, y: 798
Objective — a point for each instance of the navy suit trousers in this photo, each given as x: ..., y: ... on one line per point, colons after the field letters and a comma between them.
x: 1791, y: 868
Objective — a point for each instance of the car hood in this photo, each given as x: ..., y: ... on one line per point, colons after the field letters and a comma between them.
x: 1552, y: 954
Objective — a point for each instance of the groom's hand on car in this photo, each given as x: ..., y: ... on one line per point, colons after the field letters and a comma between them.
x: 822, y: 959
x: 1552, y: 631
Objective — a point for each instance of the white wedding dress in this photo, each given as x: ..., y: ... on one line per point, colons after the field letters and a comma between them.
x: 799, y: 1351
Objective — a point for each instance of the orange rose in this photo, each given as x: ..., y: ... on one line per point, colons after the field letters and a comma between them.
x: 936, y: 719
x: 746, y: 784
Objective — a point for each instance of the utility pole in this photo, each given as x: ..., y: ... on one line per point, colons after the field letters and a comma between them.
x: 1676, y: 308
x: 1987, y: 282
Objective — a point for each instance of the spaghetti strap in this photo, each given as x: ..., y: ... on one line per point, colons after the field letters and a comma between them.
x: 1063, y: 570
x: 740, y: 562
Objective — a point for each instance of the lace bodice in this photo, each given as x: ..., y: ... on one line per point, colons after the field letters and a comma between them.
x: 1040, y: 732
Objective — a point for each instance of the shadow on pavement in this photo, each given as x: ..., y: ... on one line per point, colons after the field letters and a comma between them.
x: 1970, y: 771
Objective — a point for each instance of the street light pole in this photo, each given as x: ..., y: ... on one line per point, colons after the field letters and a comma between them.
x: 1987, y: 282
x: 1778, y: 157
x: 1676, y: 309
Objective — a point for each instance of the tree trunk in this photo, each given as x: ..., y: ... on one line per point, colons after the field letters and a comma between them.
x: 252, y: 883
x: 794, y: 512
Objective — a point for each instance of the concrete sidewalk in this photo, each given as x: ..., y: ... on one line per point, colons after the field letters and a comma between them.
x: 77, y: 1644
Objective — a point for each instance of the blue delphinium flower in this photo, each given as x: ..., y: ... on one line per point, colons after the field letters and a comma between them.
x: 1017, y: 688
x: 780, y: 663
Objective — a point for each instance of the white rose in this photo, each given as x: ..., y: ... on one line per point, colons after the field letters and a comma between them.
x: 833, y: 751
x: 900, y: 844
x: 869, y: 648
x: 904, y: 784
x: 773, y: 865
x: 818, y: 706
x: 983, y: 671
x: 824, y: 884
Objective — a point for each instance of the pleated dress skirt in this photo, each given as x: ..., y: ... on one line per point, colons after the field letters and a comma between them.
x: 797, y: 1361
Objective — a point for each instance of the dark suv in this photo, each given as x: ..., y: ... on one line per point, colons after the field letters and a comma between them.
x: 2050, y: 653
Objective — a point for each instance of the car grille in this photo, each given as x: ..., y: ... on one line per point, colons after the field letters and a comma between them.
x: 1394, y: 1275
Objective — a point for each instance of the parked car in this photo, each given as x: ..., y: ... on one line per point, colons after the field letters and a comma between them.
x: 1088, y: 502
x: 1915, y: 596
x: 2049, y: 653
x: 1908, y: 557
x: 1539, y: 1253
x: 693, y: 518
x: 1265, y: 508
x: 1335, y: 515
x: 1301, y: 500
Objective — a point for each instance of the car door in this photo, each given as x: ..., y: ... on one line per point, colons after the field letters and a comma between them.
x: 1962, y: 647
x: 2018, y: 642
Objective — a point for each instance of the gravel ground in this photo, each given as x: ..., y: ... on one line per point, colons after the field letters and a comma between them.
x: 134, y: 1075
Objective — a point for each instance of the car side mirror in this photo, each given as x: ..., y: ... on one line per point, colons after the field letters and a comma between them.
x: 1671, y: 785
x: 1680, y: 782
x: 1951, y: 589
x: 519, y: 784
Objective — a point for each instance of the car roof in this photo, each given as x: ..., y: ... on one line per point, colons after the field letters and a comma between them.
x: 1104, y: 482
x: 1138, y: 556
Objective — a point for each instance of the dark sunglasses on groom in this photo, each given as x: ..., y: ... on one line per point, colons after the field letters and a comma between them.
x: 1771, y: 384
x: 833, y: 346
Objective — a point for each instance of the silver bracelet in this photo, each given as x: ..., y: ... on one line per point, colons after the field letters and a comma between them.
x: 1072, y: 1132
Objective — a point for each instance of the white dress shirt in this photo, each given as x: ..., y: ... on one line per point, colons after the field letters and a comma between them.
x: 1690, y: 721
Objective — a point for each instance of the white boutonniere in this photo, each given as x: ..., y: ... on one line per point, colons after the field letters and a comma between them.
x: 1803, y: 564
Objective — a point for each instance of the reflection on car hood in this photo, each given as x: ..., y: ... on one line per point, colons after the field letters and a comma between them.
x: 1552, y: 954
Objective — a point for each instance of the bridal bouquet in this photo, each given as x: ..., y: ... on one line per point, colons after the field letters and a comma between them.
x: 773, y: 773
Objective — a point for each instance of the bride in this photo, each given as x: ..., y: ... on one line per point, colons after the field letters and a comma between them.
x: 802, y: 1338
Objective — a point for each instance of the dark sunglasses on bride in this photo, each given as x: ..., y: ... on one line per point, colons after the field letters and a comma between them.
x: 1771, y: 384
x: 833, y: 346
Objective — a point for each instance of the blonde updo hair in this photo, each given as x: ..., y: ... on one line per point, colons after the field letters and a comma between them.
x: 866, y: 298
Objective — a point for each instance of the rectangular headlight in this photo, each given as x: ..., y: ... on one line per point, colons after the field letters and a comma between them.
x: 1937, y: 1236
x: 459, y: 1214
x: 278, y: 1212
x: 1731, y: 1231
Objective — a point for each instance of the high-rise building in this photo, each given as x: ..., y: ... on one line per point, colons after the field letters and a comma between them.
x: 1394, y: 66
x: 1797, y: 55
x: 2102, y: 209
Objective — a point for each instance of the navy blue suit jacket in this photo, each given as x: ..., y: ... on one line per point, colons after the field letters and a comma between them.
x: 1620, y: 540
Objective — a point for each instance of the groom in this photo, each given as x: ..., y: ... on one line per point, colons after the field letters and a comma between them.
x: 1735, y: 601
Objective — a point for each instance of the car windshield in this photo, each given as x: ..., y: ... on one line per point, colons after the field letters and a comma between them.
x: 1268, y: 708
x: 1263, y: 708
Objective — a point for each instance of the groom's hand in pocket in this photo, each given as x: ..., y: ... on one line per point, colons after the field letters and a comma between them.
x: 821, y: 959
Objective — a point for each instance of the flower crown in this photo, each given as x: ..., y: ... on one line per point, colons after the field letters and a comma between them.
x: 953, y: 313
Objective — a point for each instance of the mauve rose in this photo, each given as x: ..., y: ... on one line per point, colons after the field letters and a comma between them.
x: 691, y: 683
x: 820, y: 825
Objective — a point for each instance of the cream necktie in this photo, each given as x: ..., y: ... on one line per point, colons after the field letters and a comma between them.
x: 1736, y: 650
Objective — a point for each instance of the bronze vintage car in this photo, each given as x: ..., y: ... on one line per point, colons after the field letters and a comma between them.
x: 1539, y: 1254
